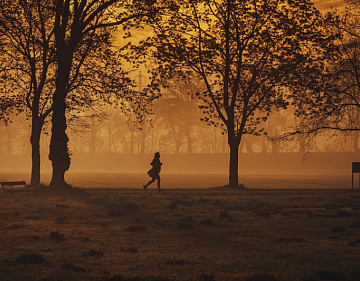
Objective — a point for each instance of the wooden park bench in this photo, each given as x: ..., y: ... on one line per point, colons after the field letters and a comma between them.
x: 9, y: 186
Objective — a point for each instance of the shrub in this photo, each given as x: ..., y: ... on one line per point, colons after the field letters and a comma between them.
x: 57, y: 236
x: 30, y: 259
x: 93, y: 253
x: 339, y: 229
x: 72, y: 267
x: 206, y: 277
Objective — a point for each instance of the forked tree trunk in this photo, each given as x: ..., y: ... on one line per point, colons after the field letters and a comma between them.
x: 35, y: 150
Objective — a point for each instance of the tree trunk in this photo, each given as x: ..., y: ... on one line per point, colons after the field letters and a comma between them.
x: 59, y: 152
x: 234, y: 163
x: 35, y: 150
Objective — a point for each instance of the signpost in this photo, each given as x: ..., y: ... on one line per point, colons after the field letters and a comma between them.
x: 355, y: 169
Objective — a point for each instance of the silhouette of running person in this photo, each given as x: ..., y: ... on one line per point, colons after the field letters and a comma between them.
x: 154, y: 172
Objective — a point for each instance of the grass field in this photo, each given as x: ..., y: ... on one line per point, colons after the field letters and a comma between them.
x: 181, y: 234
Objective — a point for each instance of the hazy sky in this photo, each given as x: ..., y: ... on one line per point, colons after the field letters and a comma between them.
x: 325, y: 5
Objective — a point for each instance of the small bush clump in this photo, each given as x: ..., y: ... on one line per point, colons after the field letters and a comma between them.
x: 339, y: 229
x: 93, y: 253
x: 30, y: 259
x: 207, y: 222
x: 136, y: 228
x: 132, y: 250
x: 72, y: 267
x: 261, y: 277
x: 57, y: 236
x: 206, y: 277
x: 173, y: 206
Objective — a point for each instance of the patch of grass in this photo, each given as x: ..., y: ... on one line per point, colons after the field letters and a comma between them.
x: 263, y: 213
x: 60, y: 220
x: 30, y: 259
x: 131, y: 206
x: 15, y: 226
x: 63, y: 206
x: 292, y: 239
x: 206, y: 277
x: 57, y: 236
x: 178, y: 262
x: 356, y: 274
x: 186, y: 223
x: 115, y: 211
x: 136, y: 228
x: 85, y: 239
x: 355, y: 225
x: 132, y: 250
x: 72, y: 267
x: 173, y: 206
x: 207, y: 222
x: 34, y: 237
x: 328, y: 275
x: 122, y: 278
x: 261, y: 277
x: 339, y: 229
x: 93, y: 253
x: 342, y: 214
x: 226, y: 216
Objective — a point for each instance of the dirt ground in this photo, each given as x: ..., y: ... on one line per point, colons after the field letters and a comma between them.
x: 181, y: 234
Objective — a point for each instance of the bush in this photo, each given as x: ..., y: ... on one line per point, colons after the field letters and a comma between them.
x: 57, y: 236
x: 93, y: 253
x: 72, y: 267
x: 30, y: 259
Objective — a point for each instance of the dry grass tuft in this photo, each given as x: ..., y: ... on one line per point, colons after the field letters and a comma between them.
x: 30, y: 259
x: 136, y: 228
x: 57, y: 236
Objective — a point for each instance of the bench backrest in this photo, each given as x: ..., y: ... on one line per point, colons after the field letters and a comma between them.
x: 13, y: 183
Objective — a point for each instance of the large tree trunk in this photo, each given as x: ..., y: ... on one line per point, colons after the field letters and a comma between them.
x: 59, y: 152
x: 234, y: 163
x: 35, y: 150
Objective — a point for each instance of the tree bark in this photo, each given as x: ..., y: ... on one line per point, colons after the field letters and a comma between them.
x: 234, y: 163
x: 35, y: 150
x: 59, y: 152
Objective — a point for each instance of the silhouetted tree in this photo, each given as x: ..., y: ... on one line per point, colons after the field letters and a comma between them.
x: 28, y: 58
x: 246, y: 52
x: 78, y: 25
x: 336, y: 106
x: 29, y: 68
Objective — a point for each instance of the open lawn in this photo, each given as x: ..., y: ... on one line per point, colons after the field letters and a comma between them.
x: 181, y: 234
